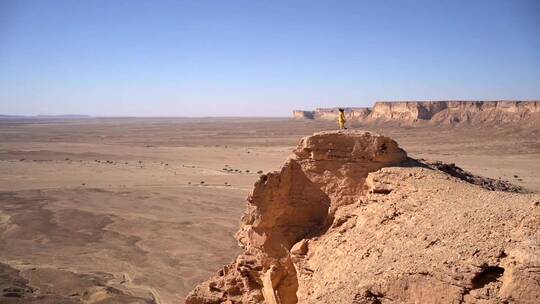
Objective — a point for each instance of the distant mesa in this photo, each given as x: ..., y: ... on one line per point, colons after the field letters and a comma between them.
x: 435, y: 112
x: 11, y: 116
x: 63, y: 116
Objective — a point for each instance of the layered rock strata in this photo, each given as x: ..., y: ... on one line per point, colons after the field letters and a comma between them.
x: 332, y: 113
x: 436, y: 112
x: 340, y: 223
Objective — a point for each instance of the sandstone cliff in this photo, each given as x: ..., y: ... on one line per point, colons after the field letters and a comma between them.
x: 299, y: 114
x: 340, y: 223
x: 440, y: 112
x: 332, y: 113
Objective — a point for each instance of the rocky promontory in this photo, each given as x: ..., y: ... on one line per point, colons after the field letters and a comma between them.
x: 349, y: 218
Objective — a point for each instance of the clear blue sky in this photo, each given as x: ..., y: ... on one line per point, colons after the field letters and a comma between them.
x: 260, y: 58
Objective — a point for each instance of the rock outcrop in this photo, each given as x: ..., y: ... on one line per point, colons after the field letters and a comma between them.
x: 439, y: 113
x: 350, y: 219
x: 299, y: 114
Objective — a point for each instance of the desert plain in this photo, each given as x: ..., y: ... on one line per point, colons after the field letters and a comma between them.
x: 140, y: 210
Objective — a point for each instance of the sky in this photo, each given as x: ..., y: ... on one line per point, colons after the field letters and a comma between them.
x: 261, y: 58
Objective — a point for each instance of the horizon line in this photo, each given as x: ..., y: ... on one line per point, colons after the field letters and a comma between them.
x: 84, y: 116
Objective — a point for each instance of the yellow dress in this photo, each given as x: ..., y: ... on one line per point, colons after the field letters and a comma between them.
x: 342, y: 120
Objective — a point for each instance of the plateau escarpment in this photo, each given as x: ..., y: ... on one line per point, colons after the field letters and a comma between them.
x: 350, y: 219
x: 438, y: 112
x: 332, y: 113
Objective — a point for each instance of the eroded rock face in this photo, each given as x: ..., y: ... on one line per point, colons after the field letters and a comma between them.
x: 422, y: 236
x: 407, y: 110
x: 438, y: 113
x: 299, y: 114
x: 332, y: 113
x: 340, y: 223
x: 326, y: 170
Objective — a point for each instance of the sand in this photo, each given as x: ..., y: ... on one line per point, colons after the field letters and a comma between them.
x: 134, y: 209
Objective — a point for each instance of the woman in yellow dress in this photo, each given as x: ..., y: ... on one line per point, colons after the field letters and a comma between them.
x: 341, y: 119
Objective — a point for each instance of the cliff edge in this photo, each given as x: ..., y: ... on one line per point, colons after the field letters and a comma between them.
x: 350, y: 219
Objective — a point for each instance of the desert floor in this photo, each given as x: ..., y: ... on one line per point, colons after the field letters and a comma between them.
x: 97, y: 207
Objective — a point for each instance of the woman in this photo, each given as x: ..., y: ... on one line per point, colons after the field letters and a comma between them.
x: 341, y: 119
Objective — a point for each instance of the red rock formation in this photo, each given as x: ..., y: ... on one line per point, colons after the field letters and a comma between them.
x: 337, y: 225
